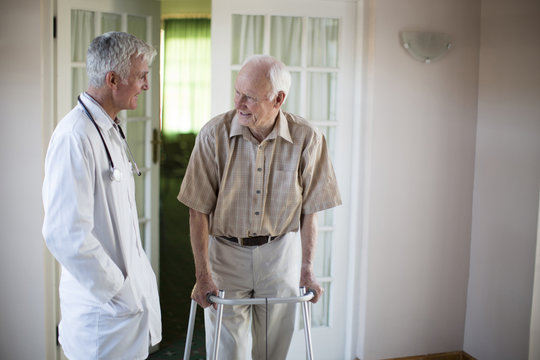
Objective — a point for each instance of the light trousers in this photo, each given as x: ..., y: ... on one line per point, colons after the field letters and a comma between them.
x: 270, y: 270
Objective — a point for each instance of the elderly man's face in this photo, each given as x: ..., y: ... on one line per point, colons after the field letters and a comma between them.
x: 254, y: 109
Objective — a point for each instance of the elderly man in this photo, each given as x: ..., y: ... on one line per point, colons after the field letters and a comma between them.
x: 256, y: 176
x: 108, y: 291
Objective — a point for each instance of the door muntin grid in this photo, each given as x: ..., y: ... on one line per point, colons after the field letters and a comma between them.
x: 137, y: 123
x: 309, y: 48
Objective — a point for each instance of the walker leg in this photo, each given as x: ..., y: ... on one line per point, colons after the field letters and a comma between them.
x: 217, y: 332
x: 307, y: 325
x: 191, y: 325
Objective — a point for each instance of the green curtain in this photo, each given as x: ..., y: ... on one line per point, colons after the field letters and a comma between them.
x: 186, y: 75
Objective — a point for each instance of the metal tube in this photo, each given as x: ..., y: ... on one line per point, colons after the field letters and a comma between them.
x: 307, y: 326
x: 191, y: 325
x: 217, y: 332
x: 261, y: 301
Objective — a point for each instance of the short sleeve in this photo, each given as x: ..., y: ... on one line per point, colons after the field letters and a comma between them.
x: 200, y: 186
x: 320, y: 189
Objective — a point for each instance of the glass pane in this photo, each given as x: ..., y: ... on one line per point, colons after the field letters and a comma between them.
x: 137, y: 26
x: 142, y: 227
x: 234, y: 73
x: 292, y: 102
x: 286, y: 39
x: 322, y: 96
x: 111, y: 22
x: 79, y: 83
x: 135, y: 133
x: 326, y: 217
x: 323, y: 255
x: 139, y: 196
x: 323, y: 37
x: 82, y: 33
x: 247, y: 37
x: 320, y: 311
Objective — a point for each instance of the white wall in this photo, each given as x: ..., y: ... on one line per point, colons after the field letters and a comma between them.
x: 422, y: 144
x: 507, y: 179
x: 22, y: 303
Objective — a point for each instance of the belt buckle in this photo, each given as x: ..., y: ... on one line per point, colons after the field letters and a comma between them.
x: 268, y: 239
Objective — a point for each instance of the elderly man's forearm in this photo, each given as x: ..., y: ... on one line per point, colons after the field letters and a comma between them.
x: 198, y: 223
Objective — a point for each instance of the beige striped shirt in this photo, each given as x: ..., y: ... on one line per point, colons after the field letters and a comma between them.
x: 249, y: 188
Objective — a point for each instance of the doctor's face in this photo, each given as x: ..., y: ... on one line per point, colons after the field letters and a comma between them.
x: 128, y: 90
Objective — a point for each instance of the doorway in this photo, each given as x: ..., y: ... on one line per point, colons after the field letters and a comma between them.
x: 177, y: 270
x: 185, y: 82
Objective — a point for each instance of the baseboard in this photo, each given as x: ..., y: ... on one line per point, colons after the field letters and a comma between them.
x: 454, y: 355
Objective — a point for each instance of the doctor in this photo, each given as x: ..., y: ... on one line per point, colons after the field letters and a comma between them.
x: 108, y: 291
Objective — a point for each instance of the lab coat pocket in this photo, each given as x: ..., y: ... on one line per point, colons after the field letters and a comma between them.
x: 124, y: 303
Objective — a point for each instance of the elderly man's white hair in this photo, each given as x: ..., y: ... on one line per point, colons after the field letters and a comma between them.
x: 279, y: 76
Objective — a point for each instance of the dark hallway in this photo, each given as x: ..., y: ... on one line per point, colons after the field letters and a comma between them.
x: 177, y: 274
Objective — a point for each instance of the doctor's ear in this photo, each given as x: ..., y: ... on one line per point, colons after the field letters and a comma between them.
x: 112, y: 79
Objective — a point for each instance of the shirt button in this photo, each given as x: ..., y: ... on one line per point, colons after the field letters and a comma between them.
x: 256, y: 213
x: 258, y: 191
x: 259, y: 169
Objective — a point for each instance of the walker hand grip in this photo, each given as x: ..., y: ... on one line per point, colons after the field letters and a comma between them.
x: 210, y: 296
x: 261, y: 301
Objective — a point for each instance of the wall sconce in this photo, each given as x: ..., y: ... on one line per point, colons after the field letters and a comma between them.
x: 425, y: 46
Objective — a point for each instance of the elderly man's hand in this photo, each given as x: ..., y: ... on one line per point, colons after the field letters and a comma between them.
x: 203, y: 287
x: 308, y: 280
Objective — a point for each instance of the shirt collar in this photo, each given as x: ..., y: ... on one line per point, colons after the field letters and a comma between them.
x: 99, y: 114
x: 282, y: 128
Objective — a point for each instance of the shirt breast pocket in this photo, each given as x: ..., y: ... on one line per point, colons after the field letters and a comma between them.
x: 286, y: 183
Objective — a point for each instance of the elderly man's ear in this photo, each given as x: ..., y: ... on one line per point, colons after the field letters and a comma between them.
x: 279, y: 99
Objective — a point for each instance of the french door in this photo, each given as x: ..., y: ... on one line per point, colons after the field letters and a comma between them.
x: 315, y: 40
x: 78, y: 22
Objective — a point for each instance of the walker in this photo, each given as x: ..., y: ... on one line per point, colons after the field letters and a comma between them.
x: 220, y: 301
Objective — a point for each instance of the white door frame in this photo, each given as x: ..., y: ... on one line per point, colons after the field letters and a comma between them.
x: 49, y: 110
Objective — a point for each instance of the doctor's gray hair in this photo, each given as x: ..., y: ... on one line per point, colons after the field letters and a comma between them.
x: 279, y: 76
x: 112, y: 51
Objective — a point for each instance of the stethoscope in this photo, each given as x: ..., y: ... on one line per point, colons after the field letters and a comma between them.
x: 116, y: 174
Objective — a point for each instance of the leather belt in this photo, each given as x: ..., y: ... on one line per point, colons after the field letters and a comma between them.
x: 251, y: 241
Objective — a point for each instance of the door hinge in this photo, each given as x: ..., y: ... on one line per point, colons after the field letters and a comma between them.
x: 156, y: 141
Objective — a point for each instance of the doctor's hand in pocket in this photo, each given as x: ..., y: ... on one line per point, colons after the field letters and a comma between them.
x: 124, y: 302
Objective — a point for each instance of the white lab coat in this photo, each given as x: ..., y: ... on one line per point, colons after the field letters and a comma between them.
x: 108, y: 291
